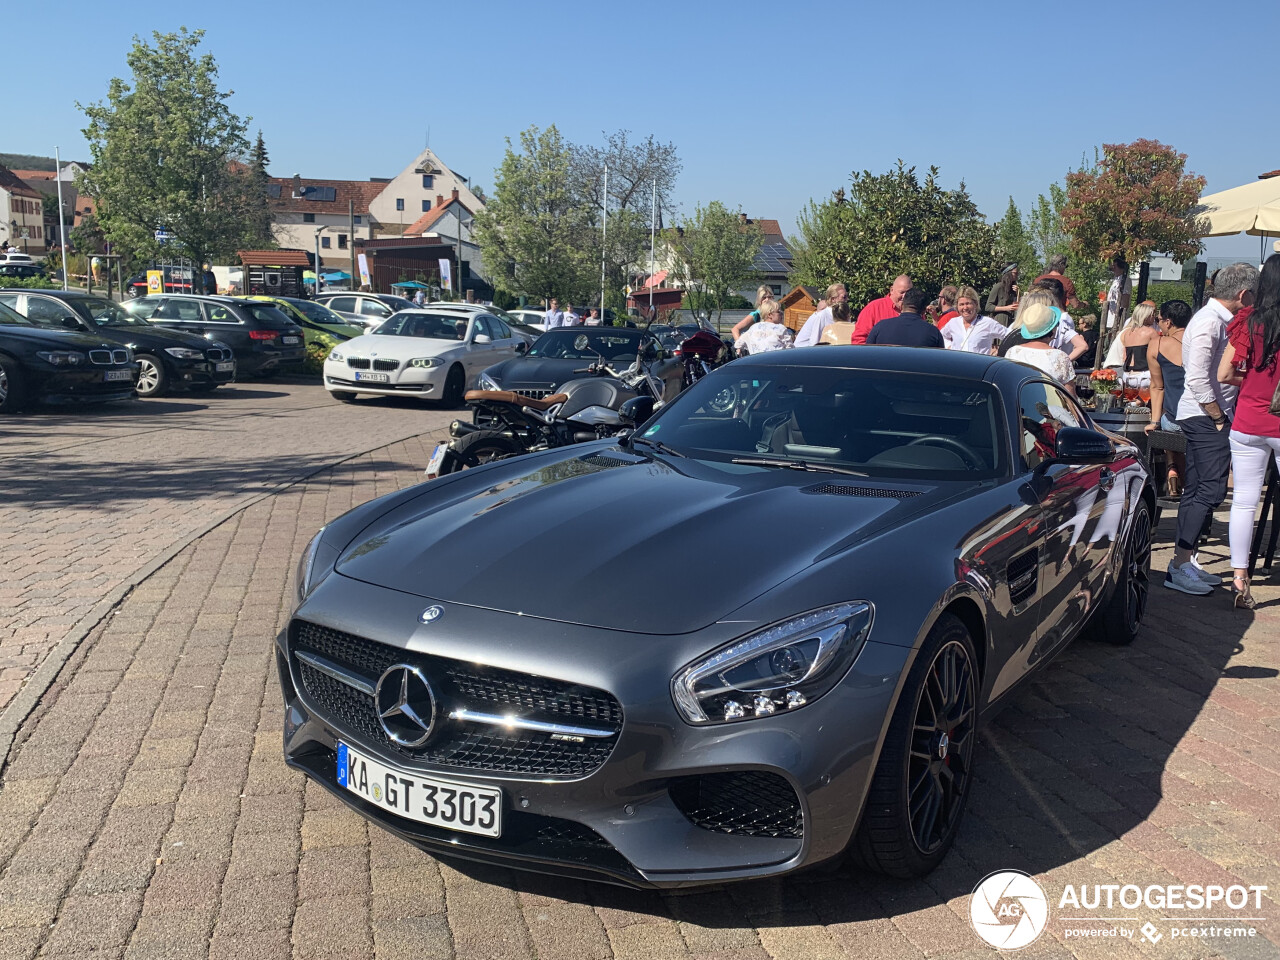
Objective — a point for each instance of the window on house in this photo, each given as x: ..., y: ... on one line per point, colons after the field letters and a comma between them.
x: 399, y: 203
x: 324, y: 242
x: 426, y: 205
x: 342, y: 241
x: 308, y: 218
x: 358, y: 220
x: 428, y: 181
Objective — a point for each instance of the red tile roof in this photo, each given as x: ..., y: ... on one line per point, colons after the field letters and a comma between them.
x: 273, y: 258
x: 34, y: 174
x: 13, y: 183
x: 361, y: 191
x: 424, y: 223
x: 1268, y: 176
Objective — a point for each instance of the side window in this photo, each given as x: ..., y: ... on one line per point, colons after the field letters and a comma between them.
x: 47, y: 310
x: 221, y: 314
x: 347, y: 304
x: 374, y: 308
x: 167, y: 310
x: 145, y: 308
x: 501, y: 330
x: 1044, y: 411
x: 483, y: 326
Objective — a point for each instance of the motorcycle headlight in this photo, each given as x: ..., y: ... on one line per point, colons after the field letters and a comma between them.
x: 62, y: 358
x: 184, y: 353
x: 486, y: 382
x: 336, y: 354
x: 778, y: 669
x: 425, y: 362
x: 304, y: 579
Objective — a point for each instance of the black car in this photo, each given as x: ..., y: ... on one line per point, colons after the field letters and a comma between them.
x: 875, y: 547
x: 22, y: 271
x: 261, y: 336
x: 37, y: 363
x: 556, y: 354
x: 167, y: 359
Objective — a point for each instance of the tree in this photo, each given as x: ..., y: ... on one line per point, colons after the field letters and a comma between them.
x: 536, y: 232
x: 259, y: 234
x: 1013, y: 242
x: 1135, y: 200
x: 714, y: 251
x: 891, y: 224
x: 167, y: 151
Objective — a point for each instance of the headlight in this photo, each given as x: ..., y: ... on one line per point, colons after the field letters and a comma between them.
x: 306, y: 568
x: 422, y: 362
x: 62, y: 358
x: 781, y: 668
x: 184, y: 353
x: 486, y: 382
x: 336, y: 354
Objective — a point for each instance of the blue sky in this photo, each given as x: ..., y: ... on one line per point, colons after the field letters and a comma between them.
x: 770, y: 104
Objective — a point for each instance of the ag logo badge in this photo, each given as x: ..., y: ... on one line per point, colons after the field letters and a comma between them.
x: 1008, y: 910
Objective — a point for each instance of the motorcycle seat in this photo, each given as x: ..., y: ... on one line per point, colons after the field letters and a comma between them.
x: 510, y: 396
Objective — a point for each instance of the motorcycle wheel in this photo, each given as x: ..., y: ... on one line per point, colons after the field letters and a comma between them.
x: 476, y: 449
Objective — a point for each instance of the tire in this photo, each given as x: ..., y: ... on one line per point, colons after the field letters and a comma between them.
x: 153, y: 381
x: 475, y: 449
x: 344, y: 395
x: 1117, y: 621
x: 925, y: 767
x: 13, y: 389
x: 455, y: 386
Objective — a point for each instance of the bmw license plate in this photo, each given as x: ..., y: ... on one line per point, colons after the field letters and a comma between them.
x: 225, y: 367
x: 441, y: 803
x: 433, y: 467
x: 373, y: 377
x: 118, y: 375
x: 289, y: 341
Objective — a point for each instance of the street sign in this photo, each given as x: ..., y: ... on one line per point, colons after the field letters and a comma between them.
x: 163, y: 235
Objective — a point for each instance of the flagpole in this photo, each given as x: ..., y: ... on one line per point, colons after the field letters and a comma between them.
x: 653, y: 232
x: 604, y: 236
x: 62, y: 226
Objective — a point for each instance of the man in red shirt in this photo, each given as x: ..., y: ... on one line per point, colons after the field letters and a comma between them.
x: 1058, y: 271
x: 882, y: 308
x: 947, y: 306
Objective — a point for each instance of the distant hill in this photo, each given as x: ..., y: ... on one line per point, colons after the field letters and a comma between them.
x: 22, y: 161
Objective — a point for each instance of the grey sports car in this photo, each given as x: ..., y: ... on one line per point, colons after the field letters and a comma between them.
x: 756, y: 634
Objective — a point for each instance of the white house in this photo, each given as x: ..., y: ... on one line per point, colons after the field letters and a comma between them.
x: 22, y: 207
x: 404, y: 198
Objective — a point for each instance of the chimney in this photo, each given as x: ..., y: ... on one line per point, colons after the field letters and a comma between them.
x: 439, y: 200
x: 455, y: 193
x: 742, y: 217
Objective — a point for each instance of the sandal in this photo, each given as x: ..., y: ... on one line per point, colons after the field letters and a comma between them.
x: 1243, y: 597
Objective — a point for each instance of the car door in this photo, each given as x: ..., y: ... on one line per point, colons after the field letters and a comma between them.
x: 477, y: 356
x: 1073, y: 498
x: 504, y: 341
x: 49, y: 312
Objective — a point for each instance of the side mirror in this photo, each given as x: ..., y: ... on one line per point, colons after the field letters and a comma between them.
x: 649, y: 351
x: 1078, y: 445
x: 522, y: 346
x: 636, y: 411
x: 71, y: 323
x: 482, y: 338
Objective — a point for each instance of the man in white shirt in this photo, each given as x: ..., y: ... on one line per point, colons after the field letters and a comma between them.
x: 812, y: 330
x: 1204, y: 414
x: 570, y: 318
x: 553, y: 317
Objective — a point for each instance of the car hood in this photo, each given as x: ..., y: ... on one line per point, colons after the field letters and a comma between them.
x: 540, y: 372
x: 149, y: 335
x: 402, y: 348
x: 612, y: 540
x: 55, y: 339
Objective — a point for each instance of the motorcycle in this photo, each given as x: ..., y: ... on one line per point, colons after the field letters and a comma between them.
x: 586, y: 409
x: 702, y: 352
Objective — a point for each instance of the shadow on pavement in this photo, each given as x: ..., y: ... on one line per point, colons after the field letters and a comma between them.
x: 1076, y: 759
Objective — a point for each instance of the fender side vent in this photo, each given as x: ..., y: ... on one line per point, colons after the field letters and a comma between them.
x: 850, y: 490
x: 1023, y: 575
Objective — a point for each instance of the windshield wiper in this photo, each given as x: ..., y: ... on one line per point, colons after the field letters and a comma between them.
x: 659, y: 446
x: 796, y: 465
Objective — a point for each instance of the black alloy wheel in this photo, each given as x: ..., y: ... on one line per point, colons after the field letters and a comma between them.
x: 152, y: 379
x: 1117, y: 621
x: 918, y: 794
x: 455, y: 385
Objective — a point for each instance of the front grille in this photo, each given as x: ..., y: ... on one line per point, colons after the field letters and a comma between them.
x: 217, y: 354
x: 386, y: 364
x: 358, y: 363
x: 104, y: 357
x: 462, y: 744
x: 852, y: 490
x: 747, y: 803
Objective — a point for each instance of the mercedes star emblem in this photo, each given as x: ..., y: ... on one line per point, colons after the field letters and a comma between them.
x: 431, y: 614
x: 406, y: 705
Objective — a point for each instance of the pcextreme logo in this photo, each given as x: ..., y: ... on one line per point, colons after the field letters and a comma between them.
x: 1008, y: 909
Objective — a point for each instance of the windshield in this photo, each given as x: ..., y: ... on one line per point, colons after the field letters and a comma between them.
x: 882, y: 424
x: 431, y: 326
x: 11, y: 317
x: 584, y: 344
x: 105, y: 313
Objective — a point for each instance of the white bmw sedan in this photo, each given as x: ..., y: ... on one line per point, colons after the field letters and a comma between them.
x: 426, y: 354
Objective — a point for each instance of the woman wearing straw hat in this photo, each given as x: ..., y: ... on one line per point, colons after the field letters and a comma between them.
x: 1036, y: 323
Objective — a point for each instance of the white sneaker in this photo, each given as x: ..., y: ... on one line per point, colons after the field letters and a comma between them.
x: 1212, y: 579
x: 1184, y: 580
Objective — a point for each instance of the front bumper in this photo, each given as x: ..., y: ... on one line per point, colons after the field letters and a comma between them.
x: 421, y: 382
x: 196, y: 373
x: 669, y: 805
x: 85, y: 385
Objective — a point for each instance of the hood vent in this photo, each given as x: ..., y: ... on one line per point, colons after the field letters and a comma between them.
x: 606, y: 461
x: 850, y: 490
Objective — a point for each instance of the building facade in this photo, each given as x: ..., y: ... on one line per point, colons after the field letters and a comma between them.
x: 416, y: 190
x: 22, y: 207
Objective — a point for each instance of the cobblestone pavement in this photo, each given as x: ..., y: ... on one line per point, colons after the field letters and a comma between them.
x: 92, y: 495
x: 146, y: 811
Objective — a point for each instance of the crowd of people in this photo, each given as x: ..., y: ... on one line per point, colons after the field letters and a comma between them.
x: 557, y: 316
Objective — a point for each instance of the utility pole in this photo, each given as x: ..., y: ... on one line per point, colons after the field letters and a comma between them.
x: 351, y: 238
x: 604, y: 236
x: 653, y: 234
x: 62, y: 224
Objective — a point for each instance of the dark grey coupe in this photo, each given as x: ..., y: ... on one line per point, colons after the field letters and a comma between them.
x: 757, y: 634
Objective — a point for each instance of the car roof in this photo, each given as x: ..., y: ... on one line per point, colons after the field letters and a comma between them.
x: 955, y: 363
x: 60, y: 294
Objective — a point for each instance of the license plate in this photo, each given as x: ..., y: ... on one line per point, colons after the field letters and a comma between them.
x: 433, y: 467
x: 225, y: 367
x: 373, y: 377
x: 441, y: 803
x: 118, y: 375
x: 289, y: 341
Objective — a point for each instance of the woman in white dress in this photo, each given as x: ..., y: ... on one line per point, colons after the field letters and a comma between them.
x: 1037, y: 323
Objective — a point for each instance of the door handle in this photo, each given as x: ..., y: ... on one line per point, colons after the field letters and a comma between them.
x: 1106, y: 480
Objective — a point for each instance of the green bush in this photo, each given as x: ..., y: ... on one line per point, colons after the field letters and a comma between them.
x: 30, y: 283
x: 1161, y: 291
x: 318, y: 348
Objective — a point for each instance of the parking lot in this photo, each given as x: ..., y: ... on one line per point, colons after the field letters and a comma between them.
x: 145, y: 810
